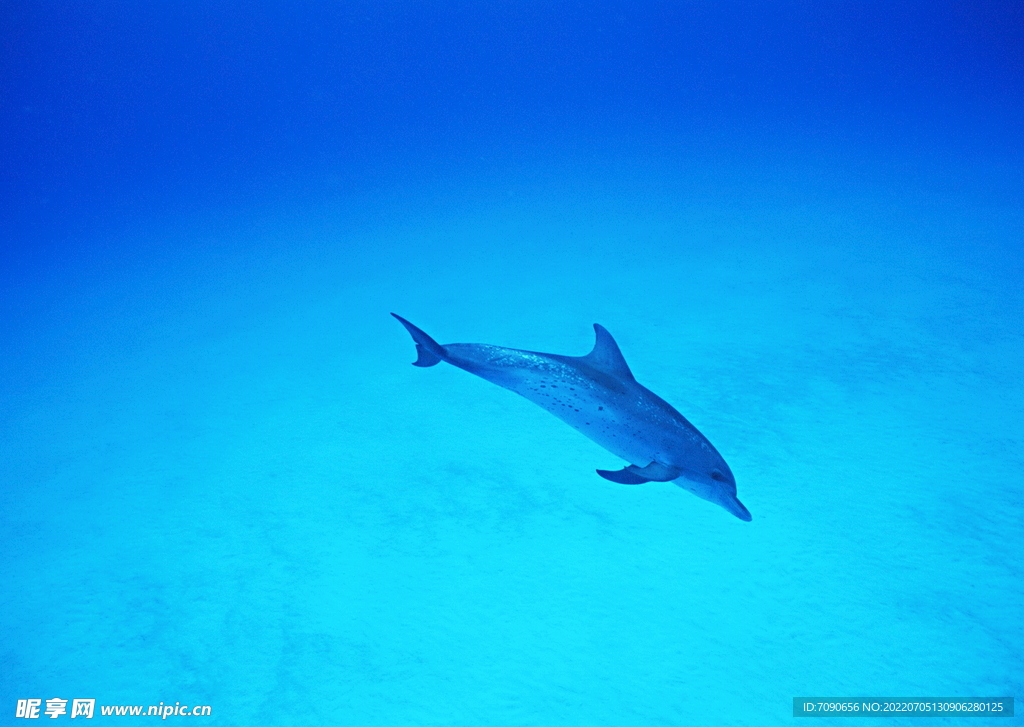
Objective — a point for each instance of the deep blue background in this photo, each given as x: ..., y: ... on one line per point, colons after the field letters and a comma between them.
x: 112, y: 109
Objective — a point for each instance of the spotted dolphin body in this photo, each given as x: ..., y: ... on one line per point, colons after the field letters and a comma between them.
x: 597, y: 395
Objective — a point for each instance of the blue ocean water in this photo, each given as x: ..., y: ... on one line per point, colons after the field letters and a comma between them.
x: 222, y: 484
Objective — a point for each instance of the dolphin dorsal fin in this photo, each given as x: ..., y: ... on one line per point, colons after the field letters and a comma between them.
x: 606, y: 355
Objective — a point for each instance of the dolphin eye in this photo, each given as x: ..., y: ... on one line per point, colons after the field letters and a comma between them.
x: 716, y: 475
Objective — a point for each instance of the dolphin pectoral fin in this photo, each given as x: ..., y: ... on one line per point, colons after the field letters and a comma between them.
x: 655, y: 472
x: 633, y: 475
x: 623, y: 477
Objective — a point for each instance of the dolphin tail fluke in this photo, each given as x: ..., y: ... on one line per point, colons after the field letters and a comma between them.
x: 429, y: 351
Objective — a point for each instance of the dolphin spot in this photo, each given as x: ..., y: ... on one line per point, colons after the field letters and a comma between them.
x: 600, y: 408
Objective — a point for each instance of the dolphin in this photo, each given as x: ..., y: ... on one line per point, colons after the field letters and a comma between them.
x: 597, y: 395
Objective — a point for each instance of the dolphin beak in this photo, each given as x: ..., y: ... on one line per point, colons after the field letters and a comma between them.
x: 733, y: 505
